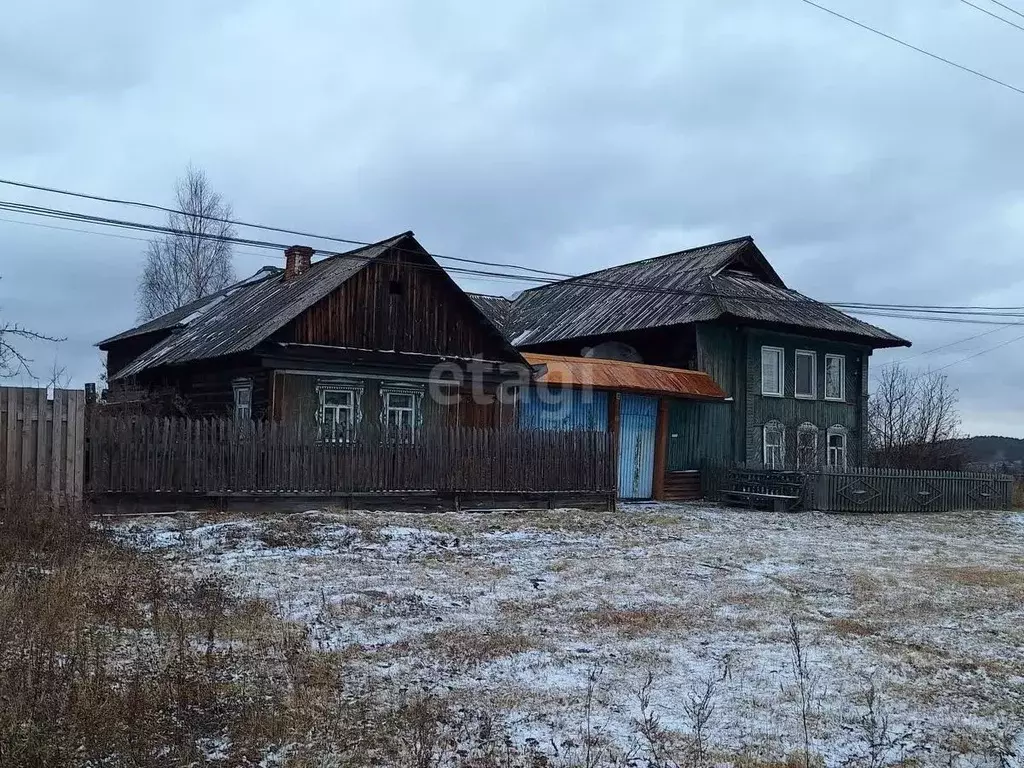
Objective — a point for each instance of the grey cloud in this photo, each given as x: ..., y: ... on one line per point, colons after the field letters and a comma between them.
x: 569, y: 136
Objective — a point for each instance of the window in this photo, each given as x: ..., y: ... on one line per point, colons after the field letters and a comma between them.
x: 337, y: 415
x: 401, y: 413
x: 394, y: 287
x: 771, y: 371
x: 835, y: 377
x: 805, y: 373
x: 774, y: 445
x: 243, y: 399
x: 837, y: 447
x: 806, y: 446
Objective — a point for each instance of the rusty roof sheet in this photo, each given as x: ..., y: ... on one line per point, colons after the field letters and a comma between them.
x: 621, y: 376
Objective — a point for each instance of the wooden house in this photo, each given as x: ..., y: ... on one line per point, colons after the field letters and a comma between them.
x: 700, y: 356
x: 380, y: 335
x: 794, y: 371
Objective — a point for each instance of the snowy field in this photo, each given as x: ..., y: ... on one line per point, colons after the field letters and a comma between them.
x: 660, y: 625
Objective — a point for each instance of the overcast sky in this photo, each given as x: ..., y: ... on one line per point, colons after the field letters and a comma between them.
x: 569, y: 135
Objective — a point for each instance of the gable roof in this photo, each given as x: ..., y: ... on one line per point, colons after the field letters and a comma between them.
x: 245, y: 314
x: 730, y: 279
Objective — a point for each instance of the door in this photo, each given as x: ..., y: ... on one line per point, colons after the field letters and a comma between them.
x: 638, y: 421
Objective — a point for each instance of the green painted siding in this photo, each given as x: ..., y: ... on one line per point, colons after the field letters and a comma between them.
x: 697, y: 433
x: 792, y: 412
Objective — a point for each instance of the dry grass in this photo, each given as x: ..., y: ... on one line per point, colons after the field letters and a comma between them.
x: 642, y: 620
x: 852, y: 628
x: 979, y: 576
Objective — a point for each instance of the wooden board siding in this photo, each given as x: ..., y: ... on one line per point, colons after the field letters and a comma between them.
x: 698, y: 433
x: 661, y: 449
x: 672, y: 346
x: 42, y: 441
x: 296, y: 402
x: 398, y: 304
x: 793, y: 412
x: 683, y: 486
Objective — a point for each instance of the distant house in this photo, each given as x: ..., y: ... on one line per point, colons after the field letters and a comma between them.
x: 698, y: 356
x: 795, y: 370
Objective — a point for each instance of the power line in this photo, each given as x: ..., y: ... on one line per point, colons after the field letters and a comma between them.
x: 250, y: 225
x: 993, y: 15
x: 1007, y: 7
x: 979, y: 354
x: 878, y: 310
x: 946, y: 346
x: 912, y: 47
x: 584, y: 279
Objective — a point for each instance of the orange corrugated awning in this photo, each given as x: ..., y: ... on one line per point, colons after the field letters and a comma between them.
x: 624, y: 377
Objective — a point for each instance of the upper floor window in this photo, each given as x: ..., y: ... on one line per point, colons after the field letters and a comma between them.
x: 835, y: 377
x: 837, y: 447
x: 806, y: 446
x: 772, y: 365
x: 243, y: 399
x: 806, y: 374
x: 774, y: 445
x: 338, y: 410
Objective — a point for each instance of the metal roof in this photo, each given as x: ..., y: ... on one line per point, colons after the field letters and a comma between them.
x: 621, y: 376
x: 243, y: 315
x: 727, y: 279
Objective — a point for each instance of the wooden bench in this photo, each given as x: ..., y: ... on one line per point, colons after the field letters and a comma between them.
x: 779, y: 502
x: 781, y: 491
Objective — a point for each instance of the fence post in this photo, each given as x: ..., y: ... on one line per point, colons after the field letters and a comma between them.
x: 821, y: 497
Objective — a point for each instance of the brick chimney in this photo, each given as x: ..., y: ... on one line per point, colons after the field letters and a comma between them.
x: 296, y: 260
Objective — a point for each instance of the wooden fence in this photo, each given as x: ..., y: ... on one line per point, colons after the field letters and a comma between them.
x: 42, y: 441
x: 144, y: 455
x: 883, y: 490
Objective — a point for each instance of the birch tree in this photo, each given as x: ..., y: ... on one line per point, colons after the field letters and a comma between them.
x: 193, y: 261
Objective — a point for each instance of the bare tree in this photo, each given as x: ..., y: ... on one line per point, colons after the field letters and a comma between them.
x: 913, y: 420
x: 12, y: 360
x: 195, y: 260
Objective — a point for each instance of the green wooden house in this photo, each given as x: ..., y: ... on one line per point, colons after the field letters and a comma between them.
x: 795, y: 370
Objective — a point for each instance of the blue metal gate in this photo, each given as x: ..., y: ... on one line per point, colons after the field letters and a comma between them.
x: 638, y: 421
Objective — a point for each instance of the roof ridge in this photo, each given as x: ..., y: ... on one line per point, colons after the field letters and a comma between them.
x: 719, y: 244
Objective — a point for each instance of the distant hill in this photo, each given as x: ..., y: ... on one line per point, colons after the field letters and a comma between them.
x: 992, y: 449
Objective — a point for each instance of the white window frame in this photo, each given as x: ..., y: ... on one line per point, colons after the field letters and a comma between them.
x: 832, y: 453
x: 806, y: 429
x: 813, y: 394
x: 782, y: 371
x: 323, y: 406
x: 774, y: 426
x: 415, y: 409
x: 242, y: 411
x: 842, y: 378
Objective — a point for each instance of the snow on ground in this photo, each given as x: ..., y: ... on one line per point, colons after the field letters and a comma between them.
x: 519, y: 612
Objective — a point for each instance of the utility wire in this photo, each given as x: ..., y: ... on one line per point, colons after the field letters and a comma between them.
x: 912, y: 47
x: 593, y: 281
x: 891, y: 311
x: 265, y: 227
x: 979, y: 354
x: 993, y: 15
x: 1007, y: 7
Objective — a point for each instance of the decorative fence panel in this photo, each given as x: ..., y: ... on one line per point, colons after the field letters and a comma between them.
x: 879, y: 489
x: 906, y: 490
x: 42, y: 441
x: 140, y: 455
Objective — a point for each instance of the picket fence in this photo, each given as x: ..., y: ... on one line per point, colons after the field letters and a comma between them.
x: 870, y: 489
x: 145, y: 455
